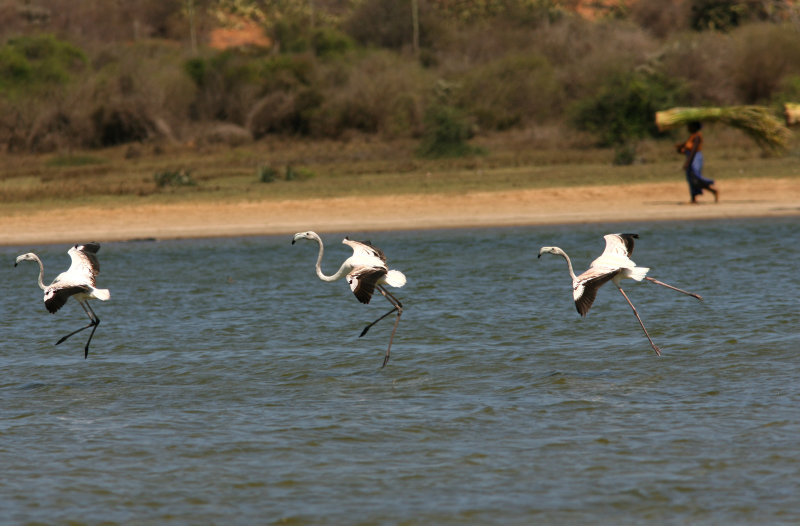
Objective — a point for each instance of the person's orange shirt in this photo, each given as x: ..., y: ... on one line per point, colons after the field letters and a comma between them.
x: 689, y: 144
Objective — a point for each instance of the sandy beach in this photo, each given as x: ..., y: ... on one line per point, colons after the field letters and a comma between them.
x: 586, y: 204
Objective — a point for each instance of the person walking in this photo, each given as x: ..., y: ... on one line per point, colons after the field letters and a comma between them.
x: 693, y: 149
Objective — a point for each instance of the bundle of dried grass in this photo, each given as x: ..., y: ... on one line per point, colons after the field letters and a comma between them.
x: 791, y: 111
x: 756, y: 121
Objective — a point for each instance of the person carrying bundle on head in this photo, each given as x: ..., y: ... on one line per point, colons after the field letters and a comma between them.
x: 693, y: 149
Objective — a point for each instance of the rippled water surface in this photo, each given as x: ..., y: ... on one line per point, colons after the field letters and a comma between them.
x: 226, y: 384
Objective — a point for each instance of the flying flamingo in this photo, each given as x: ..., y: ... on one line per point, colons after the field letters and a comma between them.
x: 614, y: 264
x: 78, y: 282
x: 366, y: 271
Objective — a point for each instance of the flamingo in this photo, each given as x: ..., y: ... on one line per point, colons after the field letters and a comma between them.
x: 78, y: 282
x: 366, y: 271
x: 614, y: 265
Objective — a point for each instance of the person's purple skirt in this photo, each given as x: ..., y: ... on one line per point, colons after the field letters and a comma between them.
x: 694, y: 175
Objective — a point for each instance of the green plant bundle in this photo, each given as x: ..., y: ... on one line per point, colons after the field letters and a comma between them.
x: 756, y: 121
x: 791, y: 111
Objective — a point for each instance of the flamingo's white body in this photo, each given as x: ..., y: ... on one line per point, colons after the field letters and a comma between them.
x: 366, y: 270
x: 614, y: 265
x: 78, y: 282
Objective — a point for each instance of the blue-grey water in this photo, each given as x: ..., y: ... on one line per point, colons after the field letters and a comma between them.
x: 226, y: 384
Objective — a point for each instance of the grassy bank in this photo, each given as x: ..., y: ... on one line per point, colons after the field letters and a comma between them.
x: 276, y: 170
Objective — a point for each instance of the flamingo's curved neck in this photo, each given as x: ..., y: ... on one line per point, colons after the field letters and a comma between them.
x: 339, y: 273
x: 41, y: 272
x: 569, y: 264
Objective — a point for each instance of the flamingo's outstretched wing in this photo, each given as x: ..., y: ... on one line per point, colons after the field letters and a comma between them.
x: 584, y: 290
x: 365, y: 249
x: 57, y: 295
x: 85, y: 265
x: 362, y: 281
x: 619, y: 244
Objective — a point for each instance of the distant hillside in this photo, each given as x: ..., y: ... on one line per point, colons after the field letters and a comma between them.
x: 94, y: 73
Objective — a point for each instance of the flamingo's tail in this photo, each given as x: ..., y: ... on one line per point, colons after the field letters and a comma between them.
x: 638, y: 273
x: 395, y: 278
x: 101, y: 294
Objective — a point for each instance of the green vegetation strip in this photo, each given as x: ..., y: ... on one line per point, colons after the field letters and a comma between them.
x: 110, y: 179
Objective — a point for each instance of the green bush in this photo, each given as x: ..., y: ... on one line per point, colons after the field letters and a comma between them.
x: 267, y: 174
x: 624, y: 154
x: 197, y: 69
x: 119, y: 125
x: 231, y: 83
x: 372, y: 92
x: 285, y: 71
x: 32, y: 63
x: 328, y: 42
x: 514, y: 90
x: 446, y: 133
x: 381, y: 23
x: 624, y: 107
x: 291, y: 36
x: 788, y: 91
x: 724, y: 15
x: 15, y: 69
x: 762, y: 56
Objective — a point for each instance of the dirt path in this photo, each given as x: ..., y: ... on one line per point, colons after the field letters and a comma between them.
x: 643, y: 202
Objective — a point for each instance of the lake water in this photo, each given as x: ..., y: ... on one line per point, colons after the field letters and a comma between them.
x: 226, y: 384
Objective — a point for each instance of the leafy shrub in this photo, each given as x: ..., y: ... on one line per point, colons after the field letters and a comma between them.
x: 230, y: 83
x: 291, y: 36
x: 659, y: 21
x: 36, y: 62
x: 749, y: 65
x: 696, y: 60
x: 624, y: 154
x: 266, y: 174
x: 586, y: 54
x: 274, y: 113
x: 328, y: 42
x: 197, y: 69
x: 724, y: 15
x: 763, y: 55
x: 789, y: 90
x: 174, y: 178
x: 511, y: 91
x: 372, y: 92
x: 446, y: 133
x: 381, y: 23
x: 120, y: 125
x: 285, y: 71
x: 15, y: 69
x: 624, y: 107
x: 223, y: 81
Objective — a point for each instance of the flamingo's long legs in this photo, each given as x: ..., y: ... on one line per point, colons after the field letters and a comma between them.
x: 655, y: 347
x: 95, y: 321
x: 692, y: 294
x: 398, y: 307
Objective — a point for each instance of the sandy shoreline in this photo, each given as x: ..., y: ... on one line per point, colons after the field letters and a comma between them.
x: 586, y: 204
